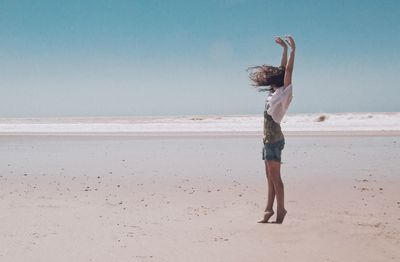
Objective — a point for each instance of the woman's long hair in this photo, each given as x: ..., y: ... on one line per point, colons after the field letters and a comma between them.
x: 266, y: 75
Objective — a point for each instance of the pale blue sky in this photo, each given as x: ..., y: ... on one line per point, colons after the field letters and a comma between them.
x: 147, y: 57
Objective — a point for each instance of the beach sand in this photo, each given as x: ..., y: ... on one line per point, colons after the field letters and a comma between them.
x: 127, y: 198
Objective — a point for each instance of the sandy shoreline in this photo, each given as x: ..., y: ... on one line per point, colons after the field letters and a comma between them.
x: 206, y: 134
x: 121, y: 198
x: 241, y: 124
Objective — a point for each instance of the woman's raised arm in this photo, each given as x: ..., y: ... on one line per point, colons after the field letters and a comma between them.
x: 289, y: 66
x: 282, y: 43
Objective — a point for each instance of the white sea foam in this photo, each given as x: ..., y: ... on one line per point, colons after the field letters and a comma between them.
x: 248, y: 123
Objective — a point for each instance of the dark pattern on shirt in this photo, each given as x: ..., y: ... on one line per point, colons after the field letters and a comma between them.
x: 272, y: 130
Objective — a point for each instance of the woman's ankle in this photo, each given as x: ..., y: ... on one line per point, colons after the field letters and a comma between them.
x: 281, y: 210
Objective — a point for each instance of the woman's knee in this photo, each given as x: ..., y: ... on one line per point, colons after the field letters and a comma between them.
x: 275, y: 177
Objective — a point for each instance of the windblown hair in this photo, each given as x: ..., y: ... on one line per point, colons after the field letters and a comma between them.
x: 266, y: 75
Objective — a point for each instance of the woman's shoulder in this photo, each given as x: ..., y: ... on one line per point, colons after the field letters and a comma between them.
x: 283, y: 89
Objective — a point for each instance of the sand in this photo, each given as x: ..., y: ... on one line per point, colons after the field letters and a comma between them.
x: 138, y: 198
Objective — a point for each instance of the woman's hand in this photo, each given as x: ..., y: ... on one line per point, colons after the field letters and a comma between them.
x: 290, y: 41
x: 280, y: 42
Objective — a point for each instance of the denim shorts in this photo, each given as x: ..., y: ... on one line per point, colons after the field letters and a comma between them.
x: 273, y: 151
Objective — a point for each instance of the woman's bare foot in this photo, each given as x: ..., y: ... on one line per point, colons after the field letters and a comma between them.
x: 280, y: 216
x: 268, y: 214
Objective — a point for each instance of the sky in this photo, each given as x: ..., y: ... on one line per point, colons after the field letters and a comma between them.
x: 185, y: 57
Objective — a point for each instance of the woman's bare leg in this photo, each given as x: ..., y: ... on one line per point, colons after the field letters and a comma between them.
x: 269, y: 210
x: 271, y: 191
x: 274, y: 169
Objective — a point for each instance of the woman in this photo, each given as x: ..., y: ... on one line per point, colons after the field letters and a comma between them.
x: 279, y: 81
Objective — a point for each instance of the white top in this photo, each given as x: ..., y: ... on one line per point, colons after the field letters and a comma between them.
x: 278, y: 102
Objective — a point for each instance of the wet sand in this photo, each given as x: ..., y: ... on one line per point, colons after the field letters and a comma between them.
x: 131, y: 198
